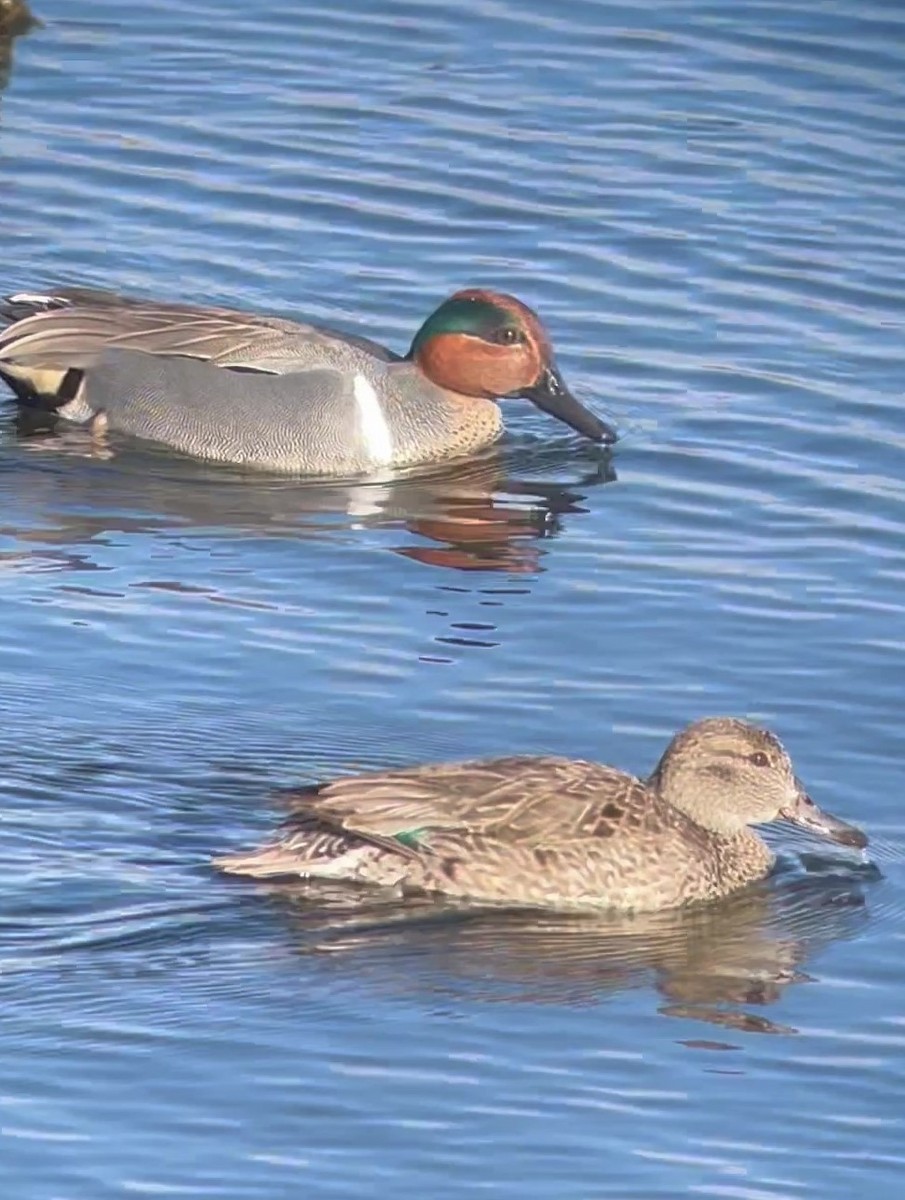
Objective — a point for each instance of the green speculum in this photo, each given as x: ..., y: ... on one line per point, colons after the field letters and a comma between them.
x: 410, y: 838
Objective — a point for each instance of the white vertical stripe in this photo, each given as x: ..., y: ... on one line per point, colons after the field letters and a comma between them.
x: 372, y: 425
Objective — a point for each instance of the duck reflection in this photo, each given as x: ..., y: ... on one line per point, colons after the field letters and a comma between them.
x: 713, y: 963
x: 486, y: 514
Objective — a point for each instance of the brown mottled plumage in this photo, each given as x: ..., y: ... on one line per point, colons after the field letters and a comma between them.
x: 554, y: 831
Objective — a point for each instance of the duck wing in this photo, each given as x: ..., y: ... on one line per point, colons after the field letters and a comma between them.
x: 517, y: 800
x: 74, y: 327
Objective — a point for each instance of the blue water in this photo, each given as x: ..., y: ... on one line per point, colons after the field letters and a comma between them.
x: 706, y: 202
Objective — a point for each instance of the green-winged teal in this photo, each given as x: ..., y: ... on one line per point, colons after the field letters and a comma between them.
x: 553, y: 831
x: 276, y: 394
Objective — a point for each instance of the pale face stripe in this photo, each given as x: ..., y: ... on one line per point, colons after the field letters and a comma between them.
x: 372, y: 425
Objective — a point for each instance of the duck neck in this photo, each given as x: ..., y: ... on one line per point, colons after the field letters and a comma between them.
x: 700, y: 805
x: 742, y: 858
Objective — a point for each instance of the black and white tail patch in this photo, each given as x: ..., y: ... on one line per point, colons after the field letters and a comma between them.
x: 48, y: 389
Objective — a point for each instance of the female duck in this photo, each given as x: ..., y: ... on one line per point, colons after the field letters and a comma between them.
x: 556, y: 832
x: 276, y: 394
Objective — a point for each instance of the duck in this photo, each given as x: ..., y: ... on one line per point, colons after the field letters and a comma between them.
x: 275, y: 394
x: 552, y: 832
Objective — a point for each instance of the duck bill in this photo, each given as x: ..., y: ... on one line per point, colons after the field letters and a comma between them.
x: 551, y: 395
x: 805, y: 813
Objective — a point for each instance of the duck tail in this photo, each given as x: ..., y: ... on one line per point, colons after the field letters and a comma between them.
x: 49, y: 388
x: 304, y: 847
x: 266, y: 862
x: 29, y: 304
x: 32, y: 363
x: 26, y: 304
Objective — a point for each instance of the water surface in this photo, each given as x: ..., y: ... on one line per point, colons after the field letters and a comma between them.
x: 705, y: 202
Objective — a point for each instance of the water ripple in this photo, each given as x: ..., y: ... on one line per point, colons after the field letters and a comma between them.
x: 705, y: 202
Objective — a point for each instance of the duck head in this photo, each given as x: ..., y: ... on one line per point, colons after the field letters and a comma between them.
x: 726, y: 774
x: 488, y: 344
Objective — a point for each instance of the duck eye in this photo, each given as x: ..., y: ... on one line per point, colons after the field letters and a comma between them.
x: 759, y: 759
x: 509, y: 336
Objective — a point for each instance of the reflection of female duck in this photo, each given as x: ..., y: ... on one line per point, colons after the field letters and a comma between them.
x: 709, y: 962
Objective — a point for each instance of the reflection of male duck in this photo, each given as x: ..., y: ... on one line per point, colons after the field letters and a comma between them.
x: 276, y: 394
x: 474, y: 515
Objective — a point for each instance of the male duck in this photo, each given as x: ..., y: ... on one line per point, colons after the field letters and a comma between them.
x: 556, y: 832
x: 276, y: 394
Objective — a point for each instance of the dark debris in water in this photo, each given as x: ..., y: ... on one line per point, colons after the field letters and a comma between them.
x: 16, y: 18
